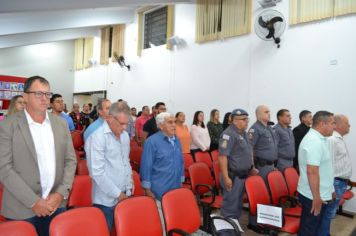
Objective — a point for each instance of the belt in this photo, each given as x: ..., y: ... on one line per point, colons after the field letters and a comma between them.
x: 243, y: 174
x: 341, y: 179
x: 264, y: 162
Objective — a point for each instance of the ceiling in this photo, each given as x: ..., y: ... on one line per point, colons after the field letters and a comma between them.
x: 39, y: 21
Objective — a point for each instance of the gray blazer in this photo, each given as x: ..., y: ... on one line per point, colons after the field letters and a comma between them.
x: 19, y: 170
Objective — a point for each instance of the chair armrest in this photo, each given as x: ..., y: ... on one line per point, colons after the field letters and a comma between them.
x: 177, y: 231
x: 229, y: 221
x: 211, y: 190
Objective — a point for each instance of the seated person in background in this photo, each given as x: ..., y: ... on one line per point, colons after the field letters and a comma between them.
x: 57, y: 109
x: 162, y: 166
x: 215, y: 129
x: 107, y: 151
x: 103, y: 111
x: 17, y: 104
x: 182, y: 132
x: 199, y: 133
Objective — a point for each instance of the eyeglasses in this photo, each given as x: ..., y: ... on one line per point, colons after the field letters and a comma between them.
x: 39, y: 94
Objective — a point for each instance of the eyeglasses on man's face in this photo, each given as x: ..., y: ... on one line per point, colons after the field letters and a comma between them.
x: 39, y: 94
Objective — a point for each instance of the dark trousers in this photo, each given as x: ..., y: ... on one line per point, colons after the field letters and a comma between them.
x: 108, y: 213
x: 42, y: 223
x: 309, y: 223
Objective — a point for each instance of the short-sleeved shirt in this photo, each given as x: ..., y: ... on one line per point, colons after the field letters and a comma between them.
x: 234, y: 144
x: 140, y: 122
x: 286, y: 143
x: 150, y: 127
x: 69, y: 121
x: 314, y: 150
x: 264, y: 141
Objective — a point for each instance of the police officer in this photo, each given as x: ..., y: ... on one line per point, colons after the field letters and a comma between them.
x: 286, y: 145
x: 235, y: 163
x: 264, y: 141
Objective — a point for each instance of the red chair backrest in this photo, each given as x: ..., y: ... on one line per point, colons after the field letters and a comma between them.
x: 188, y: 161
x: 80, y: 196
x: 277, y: 185
x: 137, y: 216
x: 82, y: 167
x: 216, y: 168
x: 180, y: 210
x: 135, y: 154
x: 200, y: 174
x: 215, y: 155
x: 79, y: 221
x: 17, y: 228
x: 292, y: 177
x: 77, y: 140
x: 137, y: 183
x: 257, y: 192
x: 205, y: 158
x: 1, y: 191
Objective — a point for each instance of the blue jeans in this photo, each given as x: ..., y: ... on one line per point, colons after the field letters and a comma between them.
x: 330, y: 211
x: 109, y: 214
x: 42, y: 223
x: 309, y: 223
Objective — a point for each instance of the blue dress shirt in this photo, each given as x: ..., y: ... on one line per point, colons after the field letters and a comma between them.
x: 92, y: 127
x: 109, y: 165
x: 69, y: 121
x: 162, y: 167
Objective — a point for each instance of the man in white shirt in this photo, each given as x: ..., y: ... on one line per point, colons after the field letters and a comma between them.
x: 107, y: 151
x: 37, y: 160
x: 342, y: 167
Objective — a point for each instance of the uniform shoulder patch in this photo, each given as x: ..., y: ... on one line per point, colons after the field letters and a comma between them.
x: 224, y: 144
x: 225, y: 137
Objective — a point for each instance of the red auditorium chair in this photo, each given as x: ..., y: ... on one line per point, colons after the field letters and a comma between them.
x: 17, y: 228
x: 258, y: 194
x: 82, y: 167
x: 291, y: 176
x: 203, y: 187
x: 215, y: 155
x: 137, y: 216
x: 188, y: 161
x: 79, y: 221
x: 2, y: 218
x: 180, y: 211
x: 216, y: 168
x: 80, y: 196
x: 138, y: 191
x: 205, y: 158
x: 135, y: 158
x: 346, y: 196
x: 280, y: 195
x: 78, y: 143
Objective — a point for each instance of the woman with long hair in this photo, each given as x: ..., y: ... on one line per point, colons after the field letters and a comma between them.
x: 199, y: 133
x: 215, y: 129
x: 182, y: 132
x: 17, y: 104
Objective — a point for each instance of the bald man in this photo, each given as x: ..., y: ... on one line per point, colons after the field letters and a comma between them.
x: 264, y: 141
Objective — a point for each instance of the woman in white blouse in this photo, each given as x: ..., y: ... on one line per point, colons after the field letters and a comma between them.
x: 200, y: 139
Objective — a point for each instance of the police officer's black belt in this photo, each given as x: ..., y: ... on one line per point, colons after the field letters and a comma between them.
x: 263, y: 162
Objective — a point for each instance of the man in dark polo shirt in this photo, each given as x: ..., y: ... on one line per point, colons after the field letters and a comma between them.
x: 150, y: 127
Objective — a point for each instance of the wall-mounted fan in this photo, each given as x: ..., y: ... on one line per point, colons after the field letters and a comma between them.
x: 270, y: 25
x: 121, y: 61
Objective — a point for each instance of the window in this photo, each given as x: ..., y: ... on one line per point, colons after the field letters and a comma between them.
x: 218, y: 19
x: 83, y: 52
x: 155, y: 28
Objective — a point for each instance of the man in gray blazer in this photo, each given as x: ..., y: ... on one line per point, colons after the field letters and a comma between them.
x: 37, y: 160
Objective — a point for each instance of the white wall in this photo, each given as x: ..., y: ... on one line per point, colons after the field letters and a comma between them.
x: 53, y: 61
x: 245, y: 71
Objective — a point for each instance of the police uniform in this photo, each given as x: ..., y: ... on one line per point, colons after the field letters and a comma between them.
x: 286, y: 147
x: 264, y: 143
x: 234, y: 144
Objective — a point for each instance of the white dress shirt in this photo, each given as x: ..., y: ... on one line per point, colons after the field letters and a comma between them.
x: 200, y: 138
x: 340, y: 157
x: 42, y: 136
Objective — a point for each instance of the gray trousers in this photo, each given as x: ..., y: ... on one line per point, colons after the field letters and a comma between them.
x: 282, y: 164
x: 264, y: 170
x: 233, y: 201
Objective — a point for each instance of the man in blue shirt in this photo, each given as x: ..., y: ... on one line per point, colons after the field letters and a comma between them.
x: 162, y: 167
x: 107, y: 151
x: 103, y: 110
x: 57, y: 106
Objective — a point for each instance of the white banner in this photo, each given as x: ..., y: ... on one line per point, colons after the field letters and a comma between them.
x: 270, y: 215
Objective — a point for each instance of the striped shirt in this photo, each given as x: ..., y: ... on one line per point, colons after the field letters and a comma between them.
x: 340, y: 157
